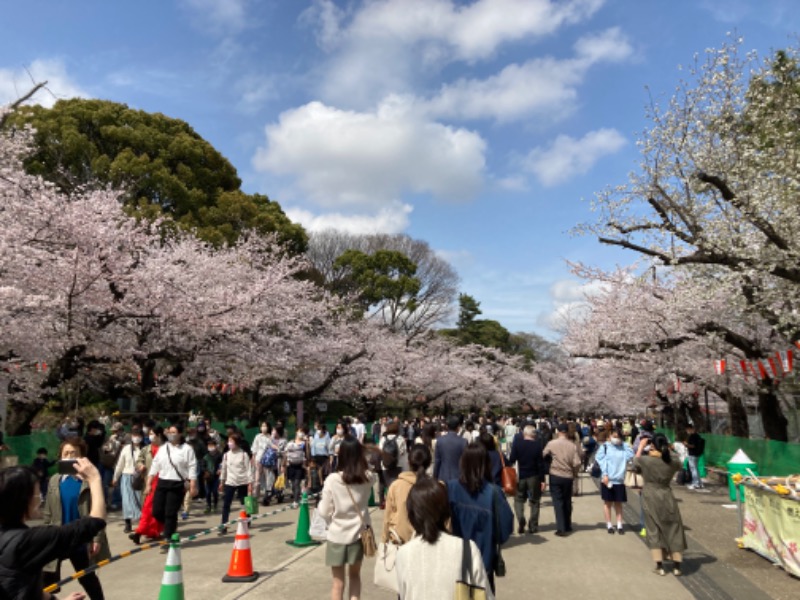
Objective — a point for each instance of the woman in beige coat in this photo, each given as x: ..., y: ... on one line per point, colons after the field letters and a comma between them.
x: 77, y: 497
x: 395, y: 518
x: 343, y: 505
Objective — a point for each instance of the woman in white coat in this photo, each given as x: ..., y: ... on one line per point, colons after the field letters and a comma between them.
x: 433, y: 561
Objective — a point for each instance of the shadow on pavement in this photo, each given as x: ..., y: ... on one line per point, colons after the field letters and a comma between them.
x: 692, y: 562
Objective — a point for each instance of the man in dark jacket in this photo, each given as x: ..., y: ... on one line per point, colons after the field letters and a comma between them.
x: 526, y: 451
x: 448, y: 451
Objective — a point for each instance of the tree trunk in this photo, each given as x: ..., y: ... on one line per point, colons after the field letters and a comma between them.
x: 738, y: 415
x: 20, y: 415
x: 772, y: 417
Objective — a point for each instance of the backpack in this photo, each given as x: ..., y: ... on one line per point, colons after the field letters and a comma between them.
x: 109, y: 453
x: 270, y: 458
x: 701, y: 446
x: 390, y: 453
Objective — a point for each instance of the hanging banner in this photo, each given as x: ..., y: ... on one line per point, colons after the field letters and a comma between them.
x: 773, y: 366
x: 719, y: 366
x: 743, y: 367
x: 786, y: 360
x: 772, y: 527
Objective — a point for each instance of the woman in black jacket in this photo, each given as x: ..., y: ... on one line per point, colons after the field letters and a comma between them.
x: 25, y: 551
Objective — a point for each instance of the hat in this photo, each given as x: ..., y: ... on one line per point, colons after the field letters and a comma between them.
x: 117, y: 426
x: 647, y: 425
x: 562, y: 427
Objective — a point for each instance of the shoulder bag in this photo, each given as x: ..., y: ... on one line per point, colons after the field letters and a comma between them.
x: 508, y: 477
x: 138, y: 477
x: 499, y: 565
x: 633, y: 478
x: 169, y: 458
x: 464, y: 589
x: 385, y: 575
x: 367, y: 535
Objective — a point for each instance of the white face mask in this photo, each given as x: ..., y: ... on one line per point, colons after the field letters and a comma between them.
x: 263, y: 430
x: 339, y: 431
x: 616, y: 441
x: 145, y: 430
x: 231, y: 445
x: 136, y: 439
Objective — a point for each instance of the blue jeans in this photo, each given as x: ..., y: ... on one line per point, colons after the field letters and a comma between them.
x: 693, y: 460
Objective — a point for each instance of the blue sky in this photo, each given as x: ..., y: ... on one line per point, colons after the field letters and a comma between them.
x: 483, y: 127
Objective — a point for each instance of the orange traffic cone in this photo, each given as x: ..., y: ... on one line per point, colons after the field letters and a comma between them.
x: 241, y: 567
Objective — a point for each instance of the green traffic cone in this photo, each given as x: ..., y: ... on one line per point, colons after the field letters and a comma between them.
x: 371, y: 502
x: 302, y: 537
x: 172, y: 582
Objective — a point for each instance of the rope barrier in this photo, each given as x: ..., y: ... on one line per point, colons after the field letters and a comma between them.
x: 56, y: 587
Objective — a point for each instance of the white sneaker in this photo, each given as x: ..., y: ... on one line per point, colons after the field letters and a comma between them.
x: 294, y: 505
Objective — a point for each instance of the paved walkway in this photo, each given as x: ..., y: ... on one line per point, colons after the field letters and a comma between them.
x: 590, y: 563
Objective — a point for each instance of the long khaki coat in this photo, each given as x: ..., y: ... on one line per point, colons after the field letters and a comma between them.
x: 662, y: 518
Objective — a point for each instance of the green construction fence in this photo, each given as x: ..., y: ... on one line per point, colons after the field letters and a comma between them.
x: 772, y: 457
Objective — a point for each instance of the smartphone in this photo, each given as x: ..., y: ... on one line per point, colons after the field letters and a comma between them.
x: 67, y: 466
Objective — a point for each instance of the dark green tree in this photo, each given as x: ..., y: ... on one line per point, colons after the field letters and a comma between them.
x: 384, y: 280
x: 164, y: 166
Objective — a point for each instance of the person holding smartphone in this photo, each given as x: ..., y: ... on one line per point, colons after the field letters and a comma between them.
x: 25, y: 551
x: 69, y: 499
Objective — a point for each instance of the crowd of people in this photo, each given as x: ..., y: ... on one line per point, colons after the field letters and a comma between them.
x: 437, y: 479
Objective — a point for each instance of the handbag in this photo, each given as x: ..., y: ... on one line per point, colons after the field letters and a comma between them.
x: 251, y: 505
x: 499, y: 566
x: 633, y: 479
x: 319, y: 526
x: 280, y: 482
x: 385, y: 575
x: 464, y: 589
x: 508, y: 477
x: 367, y: 535
x: 138, y: 477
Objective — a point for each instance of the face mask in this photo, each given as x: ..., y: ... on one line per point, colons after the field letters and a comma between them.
x: 189, y: 438
x: 263, y: 430
x: 231, y: 445
x: 173, y: 437
x: 616, y: 441
x: 145, y: 430
x: 212, y: 449
x: 136, y: 439
x: 339, y: 431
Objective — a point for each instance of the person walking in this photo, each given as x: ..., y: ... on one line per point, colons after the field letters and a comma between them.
x: 564, y: 464
x: 479, y: 508
x: 258, y: 448
x: 613, y: 457
x: 321, y: 447
x: 394, y: 454
x: 432, y: 561
x: 343, y: 505
x: 665, y: 537
x: 396, y: 526
x: 236, y: 476
x: 527, y: 454
x: 294, y: 468
x: 25, y: 551
x: 696, y: 445
x: 148, y: 525
x: 448, y: 451
x: 69, y: 498
x: 175, y: 465
x: 211, y: 472
x: 127, y: 466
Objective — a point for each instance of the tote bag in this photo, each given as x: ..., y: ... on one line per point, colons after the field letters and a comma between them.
x: 385, y: 575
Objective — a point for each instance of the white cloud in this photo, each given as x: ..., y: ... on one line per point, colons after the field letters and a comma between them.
x: 370, y: 160
x: 390, y: 219
x: 219, y: 16
x: 414, y: 36
x: 15, y: 84
x: 567, y: 157
x: 547, y: 86
x: 255, y: 91
x: 568, y: 298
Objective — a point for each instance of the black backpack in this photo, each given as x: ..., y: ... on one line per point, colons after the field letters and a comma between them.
x: 390, y: 452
